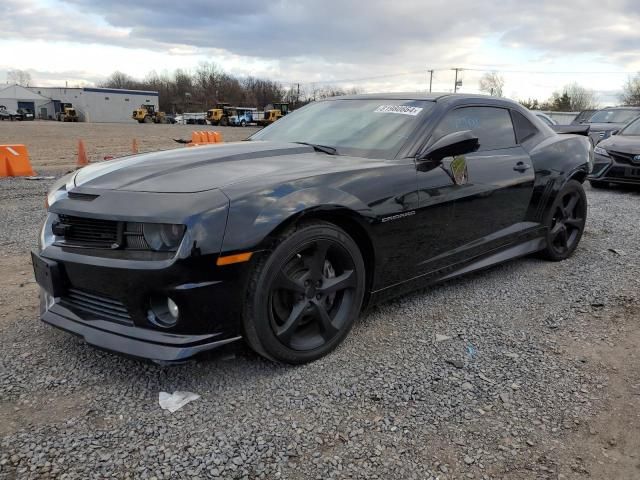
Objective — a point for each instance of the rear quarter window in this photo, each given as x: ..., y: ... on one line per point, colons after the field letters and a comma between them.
x: 523, y: 127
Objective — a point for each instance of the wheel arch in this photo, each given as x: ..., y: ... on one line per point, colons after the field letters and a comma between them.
x: 354, y: 224
x: 579, y: 175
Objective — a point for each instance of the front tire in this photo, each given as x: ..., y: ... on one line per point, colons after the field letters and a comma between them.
x: 565, y: 222
x: 305, y: 295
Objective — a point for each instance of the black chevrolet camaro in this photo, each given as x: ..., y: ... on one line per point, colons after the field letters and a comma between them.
x: 283, y: 239
x: 617, y: 159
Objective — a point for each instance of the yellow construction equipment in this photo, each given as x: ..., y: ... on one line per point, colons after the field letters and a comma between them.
x: 220, y: 114
x: 273, y: 112
x: 67, y: 114
x: 148, y: 114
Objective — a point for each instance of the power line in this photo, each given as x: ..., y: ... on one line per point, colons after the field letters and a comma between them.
x: 552, y: 72
x: 432, y: 71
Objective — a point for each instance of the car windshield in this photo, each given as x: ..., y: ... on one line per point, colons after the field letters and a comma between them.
x: 614, y: 116
x: 370, y: 128
x: 633, y: 129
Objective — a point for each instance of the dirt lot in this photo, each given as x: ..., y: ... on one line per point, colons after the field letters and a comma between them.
x: 53, y: 146
x: 549, y: 384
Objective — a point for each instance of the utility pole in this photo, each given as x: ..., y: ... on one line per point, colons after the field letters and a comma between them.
x: 456, y: 85
x: 430, y: 79
x: 298, y: 96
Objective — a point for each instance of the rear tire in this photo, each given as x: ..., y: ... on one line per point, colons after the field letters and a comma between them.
x: 304, y: 296
x: 565, y: 222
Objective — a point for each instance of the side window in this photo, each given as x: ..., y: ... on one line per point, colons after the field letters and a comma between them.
x: 524, y: 128
x: 491, y: 125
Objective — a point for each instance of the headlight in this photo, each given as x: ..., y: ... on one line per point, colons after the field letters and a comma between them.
x: 60, y: 187
x: 46, y: 234
x: 163, y: 237
x: 601, y: 151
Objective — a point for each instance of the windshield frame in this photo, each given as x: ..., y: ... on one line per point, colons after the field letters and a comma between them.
x: 428, y: 109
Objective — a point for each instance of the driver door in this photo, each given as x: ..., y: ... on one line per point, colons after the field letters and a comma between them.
x: 487, y: 192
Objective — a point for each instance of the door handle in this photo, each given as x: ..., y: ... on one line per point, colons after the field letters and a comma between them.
x: 522, y: 167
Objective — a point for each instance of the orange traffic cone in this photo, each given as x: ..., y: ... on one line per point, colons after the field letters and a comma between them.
x: 14, y: 161
x: 82, y: 155
x: 134, y: 146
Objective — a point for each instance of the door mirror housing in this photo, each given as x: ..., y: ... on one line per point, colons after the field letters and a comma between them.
x: 451, y: 145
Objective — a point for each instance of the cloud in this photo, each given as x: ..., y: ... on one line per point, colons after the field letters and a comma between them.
x: 353, y: 31
x: 329, y: 40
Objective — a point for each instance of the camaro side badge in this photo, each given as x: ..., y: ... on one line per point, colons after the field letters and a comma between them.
x: 398, y: 216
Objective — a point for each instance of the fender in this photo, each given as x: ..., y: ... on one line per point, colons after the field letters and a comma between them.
x: 557, y: 159
x: 250, y: 222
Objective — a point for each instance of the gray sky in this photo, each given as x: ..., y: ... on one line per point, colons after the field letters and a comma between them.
x: 537, y: 45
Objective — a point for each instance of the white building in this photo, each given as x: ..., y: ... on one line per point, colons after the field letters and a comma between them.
x: 14, y: 97
x: 96, y: 104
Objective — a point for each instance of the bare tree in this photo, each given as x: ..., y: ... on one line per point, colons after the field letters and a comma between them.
x: 19, y: 77
x: 120, y: 80
x: 492, y: 83
x: 579, y: 97
x: 530, y: 104
x: 631, y: 91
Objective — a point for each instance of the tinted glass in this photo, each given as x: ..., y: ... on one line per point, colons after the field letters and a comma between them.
x: 491, y: 125
x: 524, y: 128
x: 614, y: 116
x: 545, y: 119
x: 583, y: 116
x: 371, y: 128
x: 632, y: 129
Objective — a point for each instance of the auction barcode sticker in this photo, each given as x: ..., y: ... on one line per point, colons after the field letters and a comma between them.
x: 401, y: 109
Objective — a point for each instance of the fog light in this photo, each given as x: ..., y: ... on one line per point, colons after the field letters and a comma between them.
x: 173, y: 308
x: 164, y: 312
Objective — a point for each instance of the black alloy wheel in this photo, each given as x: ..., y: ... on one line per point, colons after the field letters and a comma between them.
x: 305, y: 296
x: 565, y: 221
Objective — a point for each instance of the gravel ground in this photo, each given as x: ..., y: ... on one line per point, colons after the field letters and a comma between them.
x: 484, y: 377
x: 54, y: 145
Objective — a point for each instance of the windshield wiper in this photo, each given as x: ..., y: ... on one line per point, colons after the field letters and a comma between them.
x: 320, y: 148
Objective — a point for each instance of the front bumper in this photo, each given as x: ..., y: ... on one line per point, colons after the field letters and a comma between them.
x: 131, y: 341
x: 615, y: 169
x: 107, y: 302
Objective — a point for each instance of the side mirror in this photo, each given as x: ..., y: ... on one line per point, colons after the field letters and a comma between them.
x: 615, y: 132
x: 456, y: 143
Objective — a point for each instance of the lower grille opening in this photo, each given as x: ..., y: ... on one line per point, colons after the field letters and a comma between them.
x: 97, y: 305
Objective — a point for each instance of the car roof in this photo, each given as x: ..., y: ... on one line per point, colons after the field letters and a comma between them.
x: 620, y: 107
x: 435, y: 96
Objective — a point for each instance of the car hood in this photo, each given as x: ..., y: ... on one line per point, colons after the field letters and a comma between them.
x: 188, y: 170
x: 605, y: 127
x: 622, y: 143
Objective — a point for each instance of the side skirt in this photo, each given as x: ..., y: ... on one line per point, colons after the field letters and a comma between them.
x: 479, y: 263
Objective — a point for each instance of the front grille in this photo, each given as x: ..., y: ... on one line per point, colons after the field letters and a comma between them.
x: 622, y: 157
x: 622, y: 172
x: 89, y: 232
x: 102, y: 307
